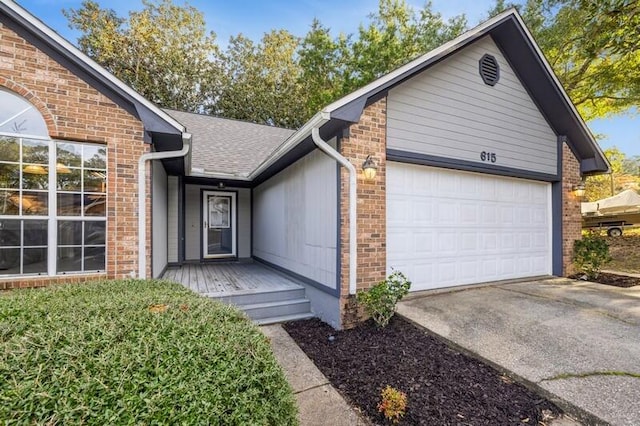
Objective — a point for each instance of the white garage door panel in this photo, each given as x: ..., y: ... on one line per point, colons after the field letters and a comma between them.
x: 448, y: 228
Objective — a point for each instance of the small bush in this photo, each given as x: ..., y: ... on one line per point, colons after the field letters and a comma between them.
x: 380, y: 300
x: 590, y: 254
x: 393, y: 404
x: 135, y: 352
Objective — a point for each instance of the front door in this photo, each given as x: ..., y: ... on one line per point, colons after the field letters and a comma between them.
x: 219, y: 221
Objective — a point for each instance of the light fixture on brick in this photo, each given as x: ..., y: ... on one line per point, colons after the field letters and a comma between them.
x: 369, y: 168
x: 578, y: 190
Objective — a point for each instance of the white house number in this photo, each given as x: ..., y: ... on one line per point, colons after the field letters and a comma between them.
x: 489, y: 157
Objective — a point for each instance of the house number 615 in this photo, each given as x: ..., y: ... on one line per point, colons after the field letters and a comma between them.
x: 488, y: 156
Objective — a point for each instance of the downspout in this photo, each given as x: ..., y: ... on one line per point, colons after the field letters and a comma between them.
x: 142, y: 195
x: 353, y: 198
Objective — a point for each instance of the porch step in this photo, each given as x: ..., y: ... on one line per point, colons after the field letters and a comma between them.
x: 279, y: 308
x: 284, y: 318
x: 250, y: 297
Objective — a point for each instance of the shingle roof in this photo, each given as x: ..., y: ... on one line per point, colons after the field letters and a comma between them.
x: 232, y: 147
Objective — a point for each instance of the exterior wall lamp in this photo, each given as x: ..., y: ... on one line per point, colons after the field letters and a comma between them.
x: 369, y: 168
x: 579, y: 190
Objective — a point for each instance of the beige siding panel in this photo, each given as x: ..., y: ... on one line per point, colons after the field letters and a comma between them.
x: 295, y: 220
x: 172, y: 219
x: 449, y: 112
x: 193, y: 225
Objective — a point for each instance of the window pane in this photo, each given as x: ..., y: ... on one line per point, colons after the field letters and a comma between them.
x: 9, y: 261
x: 94, y: 233
x: 35, y: 261
x: 94, y: 259
x: 35, y: 233
x: 35, y: 176
x: 9, y: 149
x: 69, y: 204
x: 69, y: 259
x: 35, y: 203
x: 35, y: 152
x: 17, y: 115
x: 69, y: 181
x: 9, y: 176
x: 95, y: 156
x: 69, y: 154
x: 9, y: 202
x: 9, y: 233
x: 69, y: 233
x: 95, y: 181
x: 95, y: 205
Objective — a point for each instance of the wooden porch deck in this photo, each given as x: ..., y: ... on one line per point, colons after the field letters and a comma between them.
x: 227, y: 279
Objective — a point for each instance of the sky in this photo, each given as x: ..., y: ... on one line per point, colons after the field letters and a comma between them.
x: 255, y: 17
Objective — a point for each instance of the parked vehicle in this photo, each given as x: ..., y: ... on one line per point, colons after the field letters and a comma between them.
x: 613, y: 214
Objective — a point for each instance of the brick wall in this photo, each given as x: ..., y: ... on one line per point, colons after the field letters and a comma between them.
x: 75, y: 111
x: 571, y: 216
x: 367, y: 137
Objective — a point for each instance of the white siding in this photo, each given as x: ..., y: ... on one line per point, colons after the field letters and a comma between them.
x: 295, y: 218
x: 193, y: 225
x: 159, y: 219
x: 449, y: 112
x: 448, y: 228
x: 172, y: 219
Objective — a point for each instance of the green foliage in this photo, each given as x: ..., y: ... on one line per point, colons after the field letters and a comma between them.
x: 590, y: 254
x: 393, y: 404
x: 593, y: 48
x: 135, y: 352
x: 162, y: 51
x: 380, y: 300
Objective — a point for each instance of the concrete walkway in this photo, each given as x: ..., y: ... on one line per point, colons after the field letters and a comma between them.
x: 579, y: 341
x: 319, y: 404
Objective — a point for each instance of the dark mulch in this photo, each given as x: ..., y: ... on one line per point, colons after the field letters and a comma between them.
x: 443, y: 386
x: 612, y: 279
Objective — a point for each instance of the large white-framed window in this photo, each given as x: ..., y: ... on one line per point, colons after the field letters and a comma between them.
x: 52, y: 197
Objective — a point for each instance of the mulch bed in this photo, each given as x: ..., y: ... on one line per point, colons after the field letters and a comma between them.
x: 612, y: 279
x: 443, y: 386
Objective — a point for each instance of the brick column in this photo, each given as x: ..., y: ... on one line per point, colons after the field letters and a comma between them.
x: 571, y: 214
x: 367, y: 137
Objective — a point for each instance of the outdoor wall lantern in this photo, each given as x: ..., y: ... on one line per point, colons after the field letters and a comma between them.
x: 579, y: 190
x: 369, y: 168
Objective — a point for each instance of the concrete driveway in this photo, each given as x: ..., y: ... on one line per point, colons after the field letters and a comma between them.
x: 579, y: 341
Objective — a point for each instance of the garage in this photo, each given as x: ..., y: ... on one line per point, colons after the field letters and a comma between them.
x: 448, y: 228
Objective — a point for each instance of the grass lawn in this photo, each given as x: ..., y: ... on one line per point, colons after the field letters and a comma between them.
x: 124, y: 352
x: 625, y: 252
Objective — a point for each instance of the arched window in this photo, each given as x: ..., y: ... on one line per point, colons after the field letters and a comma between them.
x: 52, y: 197
x: 19, y: 117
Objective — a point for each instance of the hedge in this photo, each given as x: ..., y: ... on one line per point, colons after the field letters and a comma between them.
x: 132, y: 351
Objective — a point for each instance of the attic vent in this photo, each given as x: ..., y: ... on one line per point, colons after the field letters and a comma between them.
x: 489, y: 69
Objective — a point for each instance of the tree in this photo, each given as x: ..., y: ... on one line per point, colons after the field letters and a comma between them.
x: 323, y: 62
x: 623, y: 176
x: 395, y: 35
x: 261, y: 83
x: 162, y: 51
x: 593, y: 47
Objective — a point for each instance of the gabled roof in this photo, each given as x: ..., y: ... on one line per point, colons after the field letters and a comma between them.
x: 38, y: 33
x: 228, y: 148
x: 513, y: 38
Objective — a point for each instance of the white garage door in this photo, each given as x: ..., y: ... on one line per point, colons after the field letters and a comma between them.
x: 448, y: 228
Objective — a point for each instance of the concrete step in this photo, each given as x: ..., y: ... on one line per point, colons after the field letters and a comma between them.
x: 278, y: 308
x: 284, y: 318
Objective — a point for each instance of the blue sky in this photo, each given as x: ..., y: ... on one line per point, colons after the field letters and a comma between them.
x: 255, y: 17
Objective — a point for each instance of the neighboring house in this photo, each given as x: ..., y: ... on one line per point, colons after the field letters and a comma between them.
x: 477, y: 149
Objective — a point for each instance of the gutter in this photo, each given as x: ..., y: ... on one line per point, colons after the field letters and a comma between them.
x: 353, y: 200
x: 142, y: 197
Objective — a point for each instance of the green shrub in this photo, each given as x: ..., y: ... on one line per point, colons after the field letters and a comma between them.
x: 590, y: 254
x: 135, y: 352
x: 380, y: 300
